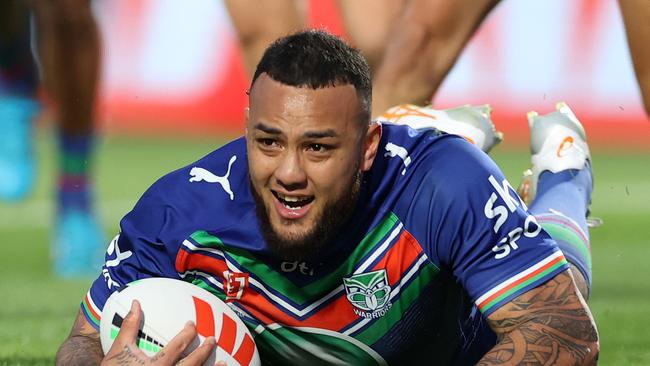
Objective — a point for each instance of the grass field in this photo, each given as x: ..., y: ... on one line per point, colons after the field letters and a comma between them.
x: 38, y: 309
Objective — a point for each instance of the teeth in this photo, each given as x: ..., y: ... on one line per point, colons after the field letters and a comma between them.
x: 293, y: 208
x: 291, y: 199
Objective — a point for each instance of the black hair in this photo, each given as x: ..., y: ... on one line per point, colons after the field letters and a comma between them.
x: 317, y: 59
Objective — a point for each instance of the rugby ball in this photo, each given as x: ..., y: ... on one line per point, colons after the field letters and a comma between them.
x: 167, y: 304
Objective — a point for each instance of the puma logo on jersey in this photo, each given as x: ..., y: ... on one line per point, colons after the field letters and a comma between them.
x: 199, y: 174
x: 393, y: 150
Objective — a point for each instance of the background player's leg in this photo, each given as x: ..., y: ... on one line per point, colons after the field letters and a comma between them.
x: 18, y: 81
x: 260, y: 22
x: 69, y: 54
x: 427, y: 39
x: 563, y: 187
x: 369, y: 23
x: 635, y: 16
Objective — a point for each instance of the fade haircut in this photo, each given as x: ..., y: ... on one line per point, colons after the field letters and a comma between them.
x: 317, y: 59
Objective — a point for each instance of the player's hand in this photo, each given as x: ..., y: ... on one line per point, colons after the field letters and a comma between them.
x: 125, y: 351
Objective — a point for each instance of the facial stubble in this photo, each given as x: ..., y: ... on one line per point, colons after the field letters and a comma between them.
x: 309, y: 245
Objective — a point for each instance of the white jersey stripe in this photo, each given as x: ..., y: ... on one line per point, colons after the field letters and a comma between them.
x: 281, y: 302
x: 92, y: 303
x: 519, y: 275
x: 207, y: 276
x: 193, y: 248
x: 380, y: 250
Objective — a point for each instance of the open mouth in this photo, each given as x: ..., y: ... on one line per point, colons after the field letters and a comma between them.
x: 293, y: 202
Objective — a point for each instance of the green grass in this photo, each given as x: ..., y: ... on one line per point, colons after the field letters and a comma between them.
x: 39, y: 309
x: 620, y: 298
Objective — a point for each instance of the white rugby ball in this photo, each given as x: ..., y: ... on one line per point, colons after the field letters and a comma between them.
x: 167, y: 304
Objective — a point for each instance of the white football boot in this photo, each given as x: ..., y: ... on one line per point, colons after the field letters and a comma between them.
x: 471, y: 122
x: 557, y: 142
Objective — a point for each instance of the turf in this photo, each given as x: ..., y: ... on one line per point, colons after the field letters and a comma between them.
x: 39, y: 309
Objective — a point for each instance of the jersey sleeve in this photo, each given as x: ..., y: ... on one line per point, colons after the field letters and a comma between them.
x: 137, y: 252
x: 482, y: 232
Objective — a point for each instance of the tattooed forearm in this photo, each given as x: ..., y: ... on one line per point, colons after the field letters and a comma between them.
x: 581, y: 282
x: 80, y: 350
x: 549, y: 325
x: 82, y: 346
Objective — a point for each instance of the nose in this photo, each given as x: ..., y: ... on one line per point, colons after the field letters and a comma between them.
x: 290, y: 173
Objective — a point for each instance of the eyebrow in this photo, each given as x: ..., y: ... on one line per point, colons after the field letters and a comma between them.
x: 320, y: 134
x: 309, y: 134
x: 267, y: 129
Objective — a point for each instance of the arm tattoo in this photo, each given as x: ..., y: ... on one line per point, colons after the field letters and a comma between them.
x: 547, y: 325
x: 82, y: 346
x: 581, y: 282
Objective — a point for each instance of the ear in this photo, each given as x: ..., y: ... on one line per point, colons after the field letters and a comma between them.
x: 370, y: 146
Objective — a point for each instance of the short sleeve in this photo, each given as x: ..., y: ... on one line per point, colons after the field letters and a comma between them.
x: 137, y: 252
x: 481, y: 230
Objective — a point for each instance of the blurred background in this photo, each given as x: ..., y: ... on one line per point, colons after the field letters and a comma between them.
x: 168, y: 61
x: 172, y: 88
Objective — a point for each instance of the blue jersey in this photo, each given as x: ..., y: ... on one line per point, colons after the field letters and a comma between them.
x: 438, y: 241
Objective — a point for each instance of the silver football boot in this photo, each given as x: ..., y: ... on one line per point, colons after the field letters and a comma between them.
x: 557, y: 142
x: 471, y: 122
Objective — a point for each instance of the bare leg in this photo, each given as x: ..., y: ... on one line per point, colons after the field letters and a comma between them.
x: 68, y: 44
x: 260, y: 22
x: 369, y: 24
x: 635, y: 16
x: 428, y: 38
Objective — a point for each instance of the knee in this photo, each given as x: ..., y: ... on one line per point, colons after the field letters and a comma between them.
x: 372, y: 50
x: 438, y: 20
x: 253, y: 36
x: 72, y: 17
x: 262, y: 34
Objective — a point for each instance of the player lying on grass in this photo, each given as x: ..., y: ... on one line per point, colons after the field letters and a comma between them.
x: 341, y: 240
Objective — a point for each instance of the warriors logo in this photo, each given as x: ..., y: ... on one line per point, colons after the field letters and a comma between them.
x: 369, y: 293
